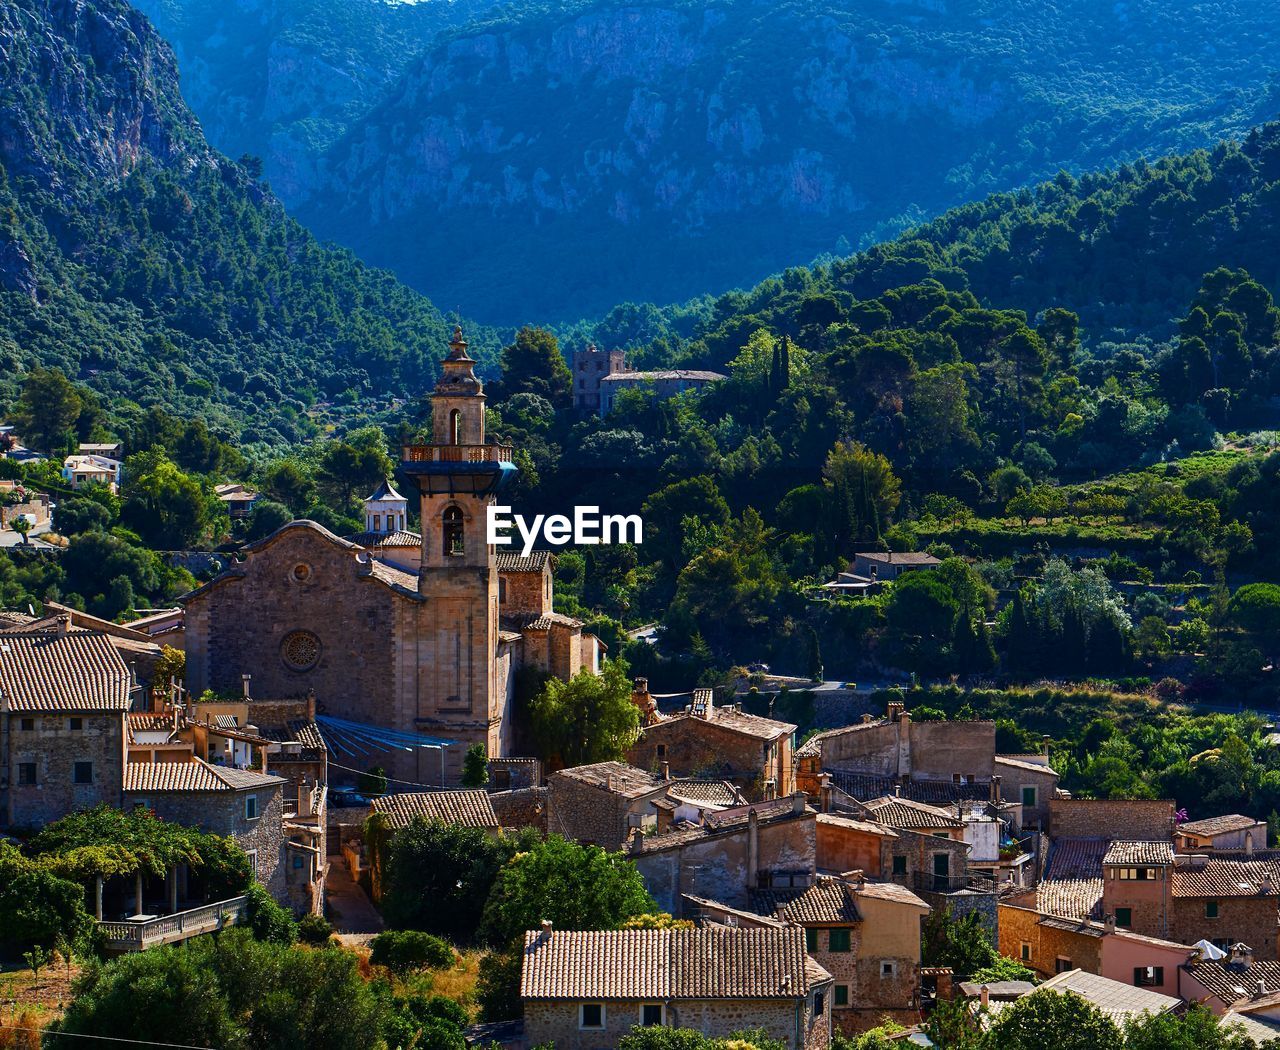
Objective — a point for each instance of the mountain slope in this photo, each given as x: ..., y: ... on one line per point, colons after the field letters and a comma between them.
x: 583, y: 154
x: 283, y: 79
x: 140, y: 261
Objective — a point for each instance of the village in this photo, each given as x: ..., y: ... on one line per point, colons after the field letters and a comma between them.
x: 323, y: 696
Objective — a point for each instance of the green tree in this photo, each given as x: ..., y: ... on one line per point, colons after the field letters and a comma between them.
x: 48, y: 409
x: 1197, y: 1029
x: 575, y: 887
x: 353, y: 467
x: 864, y: 493
x: 533, y: 364
x: 1047, y: 1018
x: 164, y: 506
x: 961, y: 943
x: 589, y: 718
x: 37, y: 907
x: 22, y: 526
x: 373, y: 781
x: 267, y: 516
x: 475, y: 767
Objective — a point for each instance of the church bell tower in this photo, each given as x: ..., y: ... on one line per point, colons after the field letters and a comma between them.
x: 459, y: 692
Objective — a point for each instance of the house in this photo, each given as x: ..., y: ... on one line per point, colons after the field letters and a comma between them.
x: 929, y: 850
x: 109, y: 449
x: 239, y: 803
x: 889, y: 565
x: 867, y: 936
x: 584, y: 990
x: 1228, y: 832
x: 18, y: 501
x: 590, y: 366
x: 1119, y: 1001
x: 1052, y: 944
x: 64, y: 694
x: 78, y: 471
x: 236, y: 499
x: 722, y: 742
x: 1226, y: 984
x: 465, y: 809
x: 665, y: 383
x: 604, y: 803
x: 935, y: 762
x: 730, y: 853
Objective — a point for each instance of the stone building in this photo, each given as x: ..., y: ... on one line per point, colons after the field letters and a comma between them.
x: 889, y: 565
x: 603, y: 804
x: 430, y: 649
x: 239, y: 803
x: 867, y: 936
x: 583, y: 990
x: 1231, y: 831
x: 590, y: 366
x: 465, y: 809
x: 731, y: 853
x: 721, y: 742
x: 64, y: 695
x: 665, y: 383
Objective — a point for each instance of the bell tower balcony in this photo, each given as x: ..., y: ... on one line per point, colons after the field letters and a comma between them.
x: 459, y: 470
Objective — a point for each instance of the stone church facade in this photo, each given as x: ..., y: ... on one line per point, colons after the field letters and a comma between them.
x: 430, y: 649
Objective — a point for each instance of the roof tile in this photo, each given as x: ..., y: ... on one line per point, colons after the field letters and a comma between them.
x: 469, y: 809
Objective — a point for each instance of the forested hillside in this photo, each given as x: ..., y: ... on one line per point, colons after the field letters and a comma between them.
x: 660, y: 149
x: 140, y: 261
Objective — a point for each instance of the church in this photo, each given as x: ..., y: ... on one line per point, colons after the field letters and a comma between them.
x: 421, y: 634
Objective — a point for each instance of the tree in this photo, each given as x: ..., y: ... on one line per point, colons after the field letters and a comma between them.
x: 864, y: 493
x: 534, y: 364
x: 1197, y: 1029
x: 575, y: 887
x: 589, y: 718
x: 38, y: 907
x: 405, y: 950
x: 77, y: 514
x: 22, y: 526
x: 373, y: 781
x: 475, y: 767
x: 353, y: 467
x: 164, y: 506
x: 286, y: 481
x: 963, y: 944
x: 266, y: 517
x: 1151, y: 638
x: 690, y: 498
x: 1062, y: 1021
x: 48, y: 408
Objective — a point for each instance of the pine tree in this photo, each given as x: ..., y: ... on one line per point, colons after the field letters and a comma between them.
x: 784, y: 371
x: 1024, y: 639
x: 775, y: 372
x: 1072, y: 647
x: 814, y: 654
x: 1108, y: 649
x: 475, y: 767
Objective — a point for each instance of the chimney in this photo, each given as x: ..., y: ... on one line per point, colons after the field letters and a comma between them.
x: 244, y: 683
x: 984, y: 996
x: 1248, y: 843
x: 868, y: 718
x: 1044, y: 745
x: 995, y: 789
x: 666, y: 770
x: 945, y: 978
x: 770, y: 790
x: 895, y: 709
x: 1111, y: 923
x: 664, y: 820
x: 897, y: 789
x: 824, y: 792
x: 1260, y: 989
x: 546, y: 927
x: 63, y: 625
x: 637, y: 839
x: 311, y: 705
x: 753, y: 848
x: 799, y: 802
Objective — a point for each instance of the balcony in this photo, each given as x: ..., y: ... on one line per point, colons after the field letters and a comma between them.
x: 146, y: 931
x: 448, y: 470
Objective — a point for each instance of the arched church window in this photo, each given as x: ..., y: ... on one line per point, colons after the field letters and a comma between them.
x: 455, y: 427
x: 453, y: 538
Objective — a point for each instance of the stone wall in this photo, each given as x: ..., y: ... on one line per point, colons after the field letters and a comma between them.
x: 842, y: 848
x: 1019, y: 925
x: 1251, y: 920
x: 521, y: 808
x: 695, y: 747
x: 1125, y: 819
x: 526, y: 593
x: 54, y: 747
x: 591, y: 814
x: 941, y: 749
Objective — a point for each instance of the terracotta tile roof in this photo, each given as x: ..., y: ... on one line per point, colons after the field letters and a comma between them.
x: 195, y: 775
x: 1228, y: 982
x: 864, y: 786
x: 899, y: 557
x: 80, y: 670
x: 906, y: 813
x: 1082, y: 926
x: 1218, y: 825
x: 725, y: 822
x: 298, y: 731
x: 540, y: 621
x: 729, y: 718
x: 697, y: 908
x: 714, y: 962
x: 1027, y: 767
x: 869, y: 826
x: 398, y: 578
x: 1217, y: 876
x: 402, y: 539
x: 714, y: 792
x: 469, y: 809
x: 511, y: 561
x: 827, y: 902
x: 1120, y: 852
x: 1117, y: 1000
x: 617, y: 777
x: 1072, y: 883
x: 891, y: 891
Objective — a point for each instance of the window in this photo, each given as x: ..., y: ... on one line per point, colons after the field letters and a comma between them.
x: 82, y: 773
x: 75, y: 724
x: 591, y: 1015
x: 819, y: 1004
x: 838, y: 941
x: 650, y: 1015
x: 297, y: 861
x: 455, y: 427
x: 300, y: 650
x: 377, y: 523
x: 302, y: 571
x: 26, y: 773
x: 1025, y: 953
x: 28, y: 725
x: 502, y: 590
x: 252, y: 854
x: 1062, y: 964
x: 1137, y: 874
x: 888, y: 968
x: 662, y: 750
x: 1210, y: 909
x: 899, y: 865
x: 841, y: 997
x: 1148, y: 976
x: 454, y: 544
x: 1029, y: 796
x: 811, y: 939
x: 942, y: 834
x: 500, y: 779
x: 1124, y: 917
x: 251, y: 807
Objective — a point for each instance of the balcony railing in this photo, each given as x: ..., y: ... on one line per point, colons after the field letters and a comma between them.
x: 459, y: 453
x: 134, y: 936
x: 924, y: 880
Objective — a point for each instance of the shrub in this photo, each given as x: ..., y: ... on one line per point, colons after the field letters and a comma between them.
x: 404, y: 950
x: 314, y: 929
x: 269, y: 921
